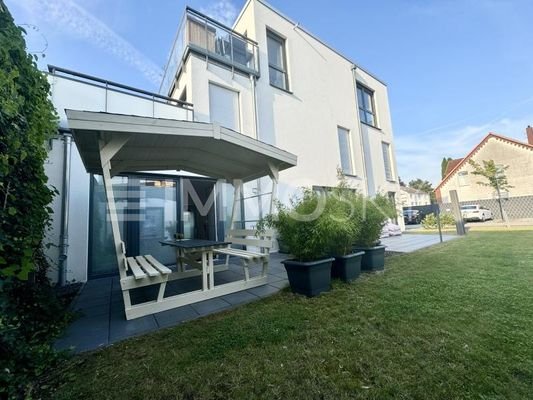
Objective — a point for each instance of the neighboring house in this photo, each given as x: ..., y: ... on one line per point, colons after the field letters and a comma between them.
x: 267, y: 78
x: 518, y: 201
x: 410, y: 197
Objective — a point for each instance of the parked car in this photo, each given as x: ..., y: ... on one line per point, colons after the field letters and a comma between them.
x: 412, y: 217
x: 474, y: 212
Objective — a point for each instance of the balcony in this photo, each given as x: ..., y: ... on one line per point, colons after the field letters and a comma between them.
x: 204, y: 36
x: 74, y: 90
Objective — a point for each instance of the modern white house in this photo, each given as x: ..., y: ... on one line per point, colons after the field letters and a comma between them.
x: 285, y: 92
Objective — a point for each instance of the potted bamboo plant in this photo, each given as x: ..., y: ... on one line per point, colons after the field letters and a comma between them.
x: 346, y: 225
x: 305, y: 229
x: 374, y: 213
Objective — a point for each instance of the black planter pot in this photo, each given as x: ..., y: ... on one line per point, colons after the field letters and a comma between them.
x: 373, y: 259
x: 347, y: 267
x: 309, y: 278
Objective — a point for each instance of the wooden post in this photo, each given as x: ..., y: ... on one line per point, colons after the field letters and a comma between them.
x: 456, y: 209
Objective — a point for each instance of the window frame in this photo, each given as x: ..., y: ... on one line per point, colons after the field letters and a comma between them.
x: 271, y: 35
x: 371, y: 92
x: 389, y: 158
x: 352, y: 171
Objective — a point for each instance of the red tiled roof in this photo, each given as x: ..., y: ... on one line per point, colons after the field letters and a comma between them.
x: 450, y: 170
x: 451, y: 165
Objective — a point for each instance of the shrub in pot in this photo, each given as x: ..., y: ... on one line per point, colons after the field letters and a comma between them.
x: 345, y: 225
x: 305, y: 229
x: 373, y: 214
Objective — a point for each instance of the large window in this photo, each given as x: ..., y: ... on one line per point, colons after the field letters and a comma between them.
x: 224, y: 107
x: 385, y: 147
x: 365, y: 98
x: 345, y: 151
x: 463, y: 178
x: 277, y: 61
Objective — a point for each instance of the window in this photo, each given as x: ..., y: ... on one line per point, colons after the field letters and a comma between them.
x: 385, y: 147
x: 345, y: 151
x: 463, y: 178
x: 224, y: 106
x: 277, y: 63
x: 365, y: 98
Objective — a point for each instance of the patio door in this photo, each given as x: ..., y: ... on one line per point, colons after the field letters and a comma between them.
x: 150, y: 208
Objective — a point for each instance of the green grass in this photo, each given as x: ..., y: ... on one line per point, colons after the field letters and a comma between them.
x: 451, y: 321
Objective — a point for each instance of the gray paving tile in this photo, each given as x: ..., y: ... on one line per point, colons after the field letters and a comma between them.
x: 94, y: 311
x: 210, y: 306
x: 240, y: 297
x: 88, y: 302
x: 274, y: 278
x: 263, y: 291
x: 282, y: 284
x: 120, y: 328
x: 175, y: 316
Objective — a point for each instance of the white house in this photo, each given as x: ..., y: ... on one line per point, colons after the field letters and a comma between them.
x: 409, y: 197
x: 267, y: 78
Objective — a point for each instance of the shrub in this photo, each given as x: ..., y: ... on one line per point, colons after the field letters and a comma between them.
x: 372, y: 214
x: 430, y: 221
x: 306, y: 225
x: 30, y: 313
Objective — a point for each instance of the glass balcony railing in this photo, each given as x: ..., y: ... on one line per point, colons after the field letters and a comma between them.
x: 203, y: 35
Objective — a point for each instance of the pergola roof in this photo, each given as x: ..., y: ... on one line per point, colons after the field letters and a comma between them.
x: 165, y: 144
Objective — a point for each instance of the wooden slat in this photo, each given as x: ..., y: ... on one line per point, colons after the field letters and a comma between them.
x: 241, y: 253
x: 146, y: 266
x: 252, y: 242
x: 135, y: 269
x: 251, y: 232
x: 157, y: 265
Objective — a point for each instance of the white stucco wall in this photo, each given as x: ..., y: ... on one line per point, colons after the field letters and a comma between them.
x: 303, y: 121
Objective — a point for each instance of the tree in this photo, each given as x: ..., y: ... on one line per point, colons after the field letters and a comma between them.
x: 444, y: 166
x: 424, y: 186
x: 402, y: 183
x: 495, y: 178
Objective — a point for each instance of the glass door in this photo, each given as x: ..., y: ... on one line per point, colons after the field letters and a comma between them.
x: 157, y: 218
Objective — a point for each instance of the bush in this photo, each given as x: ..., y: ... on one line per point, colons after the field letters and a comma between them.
x: 430, y: 221
x: 30, y: 313
x: 372, y: 214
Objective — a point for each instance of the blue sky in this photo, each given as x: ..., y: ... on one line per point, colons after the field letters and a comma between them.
x: 455, y: 69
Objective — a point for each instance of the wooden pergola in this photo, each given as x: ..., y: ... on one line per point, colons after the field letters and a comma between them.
x: 111, y: 144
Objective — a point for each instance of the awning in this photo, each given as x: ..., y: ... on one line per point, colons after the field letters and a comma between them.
x: 149, y: 144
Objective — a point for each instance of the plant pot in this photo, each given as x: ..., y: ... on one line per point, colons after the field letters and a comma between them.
x: 373, y: 259
x: 309, y: 278
x: 347, y: 267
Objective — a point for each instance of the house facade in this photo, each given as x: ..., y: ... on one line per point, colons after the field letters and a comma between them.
x: 518, y: 156
x: 266, y: 78
x: 270, y: 78
x: 410, y: 197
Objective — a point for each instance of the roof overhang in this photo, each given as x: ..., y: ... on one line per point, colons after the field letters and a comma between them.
x: 154, y: 144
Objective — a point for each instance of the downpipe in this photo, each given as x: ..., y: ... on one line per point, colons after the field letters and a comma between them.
x: 65, y: 199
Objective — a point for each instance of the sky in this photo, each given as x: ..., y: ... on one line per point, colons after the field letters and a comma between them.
x: 455, y: 69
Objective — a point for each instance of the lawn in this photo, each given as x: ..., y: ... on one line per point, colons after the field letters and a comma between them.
x: 451, y: 321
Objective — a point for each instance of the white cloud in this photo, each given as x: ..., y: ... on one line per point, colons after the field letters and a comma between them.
x: 223, y: 11
x: 420, y: 155
x: 77, y: 21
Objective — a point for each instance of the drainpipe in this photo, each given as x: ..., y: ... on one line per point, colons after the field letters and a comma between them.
x: 65, y: 197
x: 354, y: 68
x: 256, y: 133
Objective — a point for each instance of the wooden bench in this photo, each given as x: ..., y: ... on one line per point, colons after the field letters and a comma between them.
x: 146, y: 270
x: 263, y: 242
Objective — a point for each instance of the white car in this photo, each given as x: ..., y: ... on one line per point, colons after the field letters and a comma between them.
x: 473, y: 212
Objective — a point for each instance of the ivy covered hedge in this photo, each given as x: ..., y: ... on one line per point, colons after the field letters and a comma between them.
x: 30, y: 312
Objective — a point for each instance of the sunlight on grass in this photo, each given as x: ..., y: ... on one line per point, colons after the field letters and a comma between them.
x: 451, y: 321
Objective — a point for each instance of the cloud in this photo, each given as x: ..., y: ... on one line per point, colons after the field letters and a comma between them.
x: 78, y: 22
x: 223, y: 11
x: 420, y: 155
